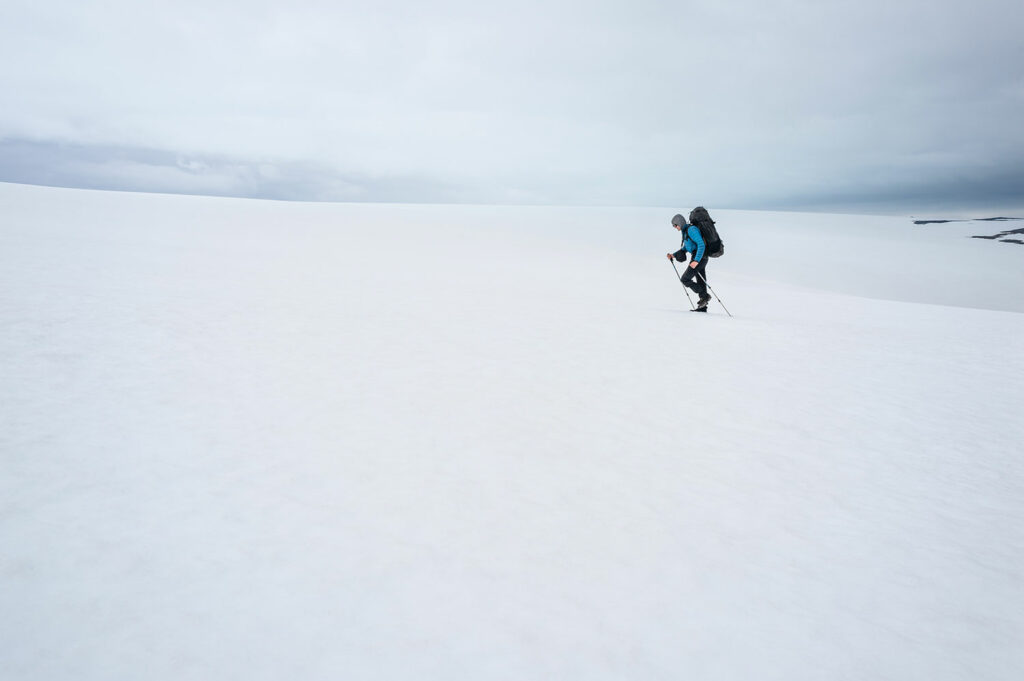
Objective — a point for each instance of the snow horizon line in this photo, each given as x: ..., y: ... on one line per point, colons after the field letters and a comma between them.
x: 923, y: 216
x: 136, y: 169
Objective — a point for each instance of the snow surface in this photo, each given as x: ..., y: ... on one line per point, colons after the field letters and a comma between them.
x: 259, y: 440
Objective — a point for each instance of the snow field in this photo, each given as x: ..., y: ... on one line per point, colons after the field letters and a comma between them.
x: 258, y: 439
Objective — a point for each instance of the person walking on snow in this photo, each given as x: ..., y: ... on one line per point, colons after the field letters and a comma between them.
x: 693, y: 243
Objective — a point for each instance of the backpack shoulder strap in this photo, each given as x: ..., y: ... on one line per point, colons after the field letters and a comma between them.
x: 699, y: 231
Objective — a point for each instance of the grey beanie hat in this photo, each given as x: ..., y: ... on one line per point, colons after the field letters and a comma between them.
x: 679, y: 221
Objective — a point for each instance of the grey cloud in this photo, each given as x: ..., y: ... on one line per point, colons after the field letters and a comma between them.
x: 741, y: 104
x: 154, y: 170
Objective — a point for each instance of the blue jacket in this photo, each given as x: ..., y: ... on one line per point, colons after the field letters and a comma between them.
x: 692, y: 242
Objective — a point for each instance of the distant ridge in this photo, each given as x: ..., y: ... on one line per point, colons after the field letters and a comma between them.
x: 1001, y: 236
x: 938, y: 222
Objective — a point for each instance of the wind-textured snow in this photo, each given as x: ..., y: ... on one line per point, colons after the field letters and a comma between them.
x: 259, y: 440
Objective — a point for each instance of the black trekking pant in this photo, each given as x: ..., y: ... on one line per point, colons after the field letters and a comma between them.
x: 692, y: 281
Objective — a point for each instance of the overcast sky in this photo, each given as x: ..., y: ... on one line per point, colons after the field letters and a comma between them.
x: 750, y: 103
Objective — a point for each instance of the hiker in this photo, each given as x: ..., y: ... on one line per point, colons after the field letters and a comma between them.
x: 693, y: 243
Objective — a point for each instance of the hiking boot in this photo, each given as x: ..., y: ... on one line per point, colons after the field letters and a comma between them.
x: 703, y: 301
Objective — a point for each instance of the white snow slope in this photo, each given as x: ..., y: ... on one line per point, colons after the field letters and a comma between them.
x: 258, y: 440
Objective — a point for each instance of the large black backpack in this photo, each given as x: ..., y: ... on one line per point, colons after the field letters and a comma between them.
x: 700, y: 218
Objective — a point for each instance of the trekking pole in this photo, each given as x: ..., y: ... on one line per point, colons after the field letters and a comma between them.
x: 688, y: 299
x: 714, y: 294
